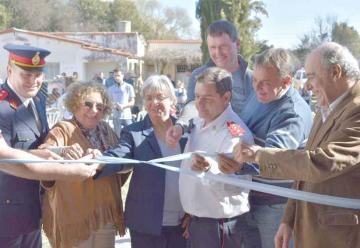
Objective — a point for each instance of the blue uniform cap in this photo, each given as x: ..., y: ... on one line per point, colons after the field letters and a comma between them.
x: 27, y: 57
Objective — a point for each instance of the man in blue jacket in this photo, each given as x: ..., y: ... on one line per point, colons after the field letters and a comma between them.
x: 278, y: 117
x: 223, y: 44
x: 24, y: 126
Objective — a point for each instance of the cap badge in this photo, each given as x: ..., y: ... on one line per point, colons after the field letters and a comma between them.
x: 36, y: 59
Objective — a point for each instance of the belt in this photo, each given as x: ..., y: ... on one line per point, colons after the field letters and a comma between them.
x: 224, y: 220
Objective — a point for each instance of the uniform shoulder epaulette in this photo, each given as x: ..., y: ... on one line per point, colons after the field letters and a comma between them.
x: 3, y: 94
x: 235, y: 129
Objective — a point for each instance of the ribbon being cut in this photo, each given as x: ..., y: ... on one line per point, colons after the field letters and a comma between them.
x: 335, y: 201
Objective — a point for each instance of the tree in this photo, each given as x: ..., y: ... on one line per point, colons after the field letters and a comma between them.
x: 31, y: 14
x: 243, y: 13
x: 4, y: 17
x: 148, y: 16
x: 177, y: 21
x: 161, y: 22
x: 121, y: 10
x: 90, y: 15
x: 348, y: 36
x: 328, y: 29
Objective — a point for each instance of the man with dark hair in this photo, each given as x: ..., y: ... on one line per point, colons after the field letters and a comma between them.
x: 215, y: 207
x: 110, y: 81
x: 123, y: 96
x: 223, y: 45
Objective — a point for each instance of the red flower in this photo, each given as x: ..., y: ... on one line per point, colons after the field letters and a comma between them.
x: 235, y: 129
x: 3, y: 94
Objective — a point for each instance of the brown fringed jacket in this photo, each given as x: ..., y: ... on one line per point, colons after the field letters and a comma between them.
x: 72, y: 210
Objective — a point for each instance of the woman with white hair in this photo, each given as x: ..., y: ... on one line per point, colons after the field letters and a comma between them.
x: 153, y: 211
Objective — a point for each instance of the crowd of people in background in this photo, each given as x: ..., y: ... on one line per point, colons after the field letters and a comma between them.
x: 254, y: 125
x: 125, y: 92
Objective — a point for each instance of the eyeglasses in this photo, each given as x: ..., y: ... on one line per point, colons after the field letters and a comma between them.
x: 90, y: 105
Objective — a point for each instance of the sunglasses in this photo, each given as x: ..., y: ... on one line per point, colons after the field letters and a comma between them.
x: 90, y: 105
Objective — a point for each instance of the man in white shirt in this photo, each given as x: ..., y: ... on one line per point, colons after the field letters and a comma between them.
x: 215, y: 207
x: 123, y: 97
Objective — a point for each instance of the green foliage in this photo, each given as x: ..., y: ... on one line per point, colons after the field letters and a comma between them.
x: 30, y: 14
x: 4, y: 17
x: 89, y: 15
x: 161, y: 22
x: 328, y: 29
x: 243, y: 13
x: 147, y: 17
x: 346, y: 35
x: 121, y: 9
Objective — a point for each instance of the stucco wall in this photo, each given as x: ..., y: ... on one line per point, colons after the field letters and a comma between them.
x: 70, y: 56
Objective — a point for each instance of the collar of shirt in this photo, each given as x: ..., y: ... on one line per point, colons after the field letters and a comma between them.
x: 325, y: 112
x: 282, y: 93
x: 215, y: 124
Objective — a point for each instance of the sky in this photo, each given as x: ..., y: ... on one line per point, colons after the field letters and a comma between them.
x: 288, y: 20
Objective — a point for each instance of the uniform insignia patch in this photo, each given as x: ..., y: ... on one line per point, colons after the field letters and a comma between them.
x: 235, y: 129
x: 3, y: 94
x: 13, y: 103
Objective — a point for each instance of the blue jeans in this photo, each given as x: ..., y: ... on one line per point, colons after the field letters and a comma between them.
x: 267, y: 219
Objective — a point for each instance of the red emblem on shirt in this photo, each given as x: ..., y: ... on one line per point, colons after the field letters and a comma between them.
x: 3, y: 94
x: 235, y: 129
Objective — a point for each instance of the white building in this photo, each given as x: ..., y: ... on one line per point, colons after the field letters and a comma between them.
x: 89, y: 53
x: 84, y: 53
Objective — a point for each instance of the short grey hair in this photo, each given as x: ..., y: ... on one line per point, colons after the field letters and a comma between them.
x: 221, y: 78
x: 159, y: 83
x: 332, y: 53
x: 283, y: 60
x: 220, y: 27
